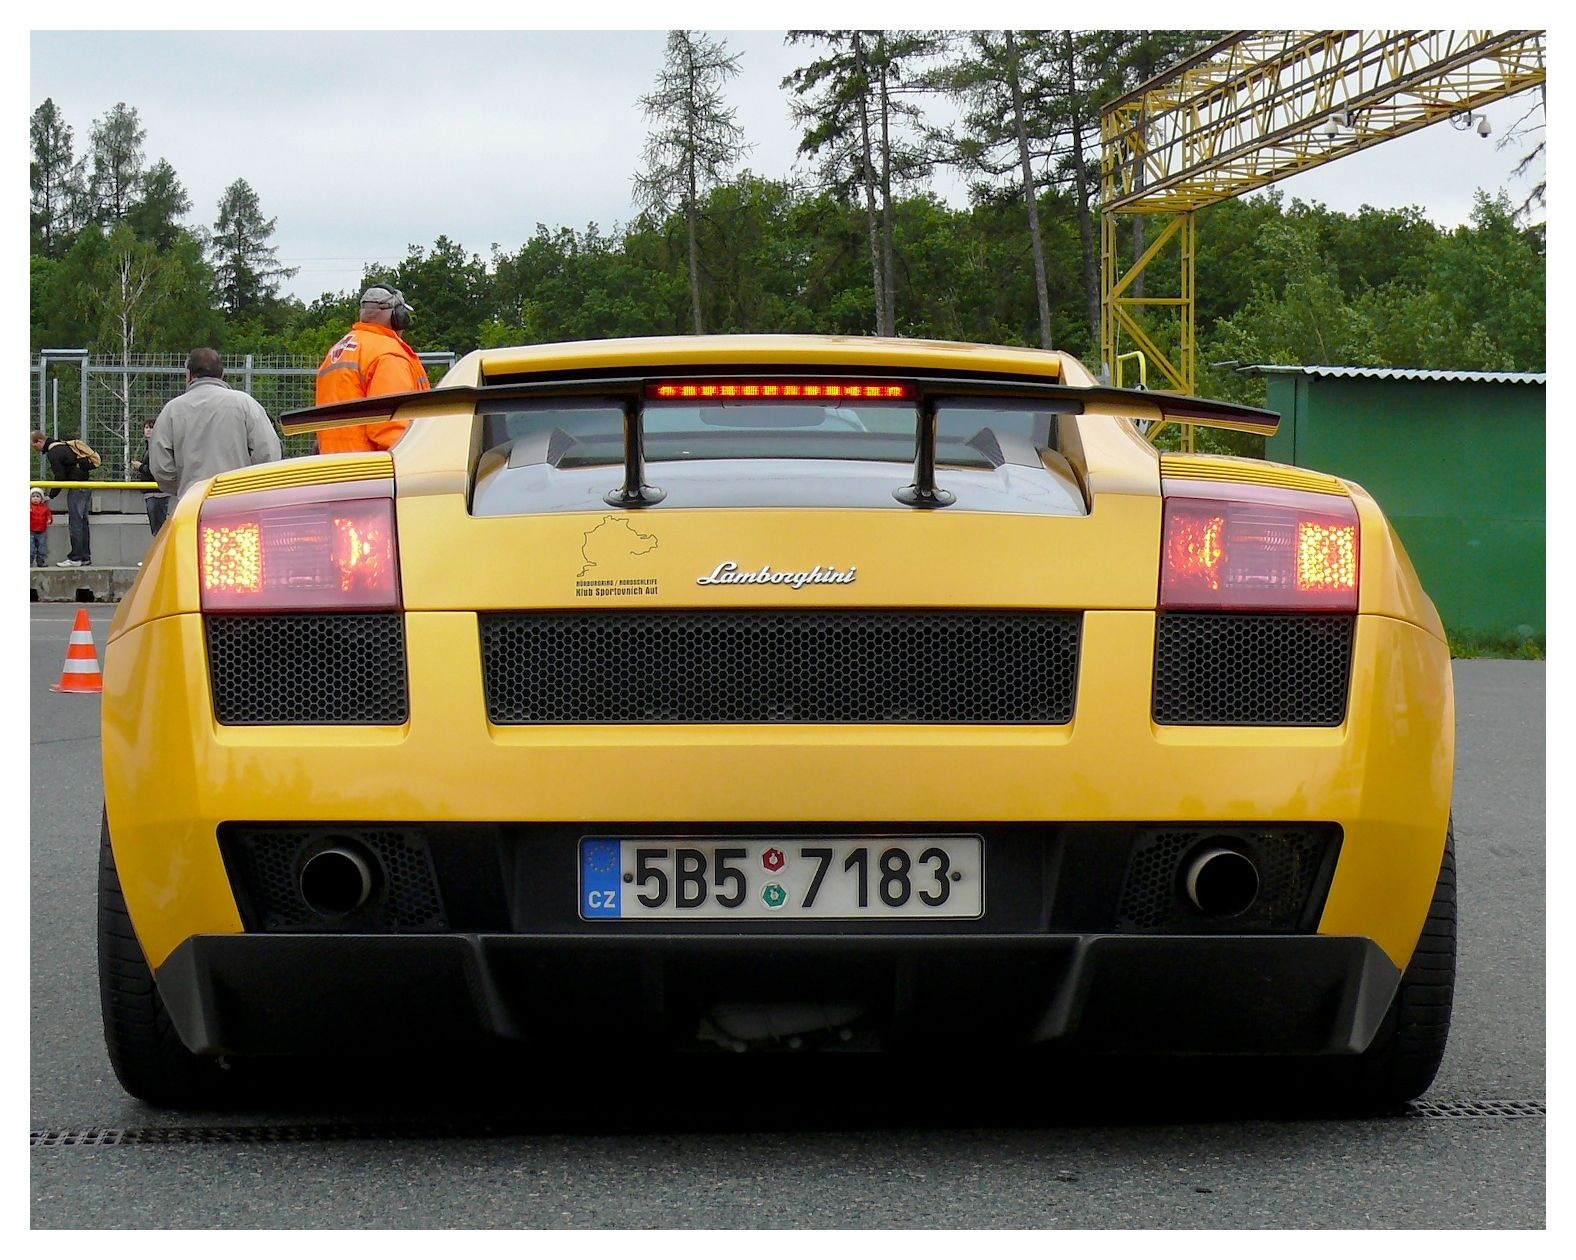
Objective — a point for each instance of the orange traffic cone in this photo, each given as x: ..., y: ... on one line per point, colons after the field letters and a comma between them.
x: 81, y: 674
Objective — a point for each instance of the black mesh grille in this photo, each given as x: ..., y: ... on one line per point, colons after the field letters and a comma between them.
x: 265, y: 866
x: 1153, y: 896
x: 302, y: 668
x: 923, y: 667
x: 1252, y: 669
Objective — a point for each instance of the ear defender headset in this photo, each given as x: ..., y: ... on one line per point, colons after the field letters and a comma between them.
x: 399, y: 313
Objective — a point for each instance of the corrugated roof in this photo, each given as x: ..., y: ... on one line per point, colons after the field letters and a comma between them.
x: 1401, y: 374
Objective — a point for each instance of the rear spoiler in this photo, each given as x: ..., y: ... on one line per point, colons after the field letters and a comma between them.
x: 1143, y: 406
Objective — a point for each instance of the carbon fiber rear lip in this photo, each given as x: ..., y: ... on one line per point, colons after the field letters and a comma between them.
x: 290, y: 994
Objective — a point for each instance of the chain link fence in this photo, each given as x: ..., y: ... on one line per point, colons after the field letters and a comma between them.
x: 74, y: 395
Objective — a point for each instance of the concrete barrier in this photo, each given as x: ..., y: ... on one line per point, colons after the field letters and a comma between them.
x: 99, y: 584
x: 119, y: 541
x: 119, y: 534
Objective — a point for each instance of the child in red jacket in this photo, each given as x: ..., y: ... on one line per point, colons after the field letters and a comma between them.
x: 39, y: 525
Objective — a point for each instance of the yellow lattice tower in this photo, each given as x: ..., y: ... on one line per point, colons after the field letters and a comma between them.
x: 1262, y: 105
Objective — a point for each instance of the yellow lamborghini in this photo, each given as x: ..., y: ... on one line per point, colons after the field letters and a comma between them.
x: 777, y: 694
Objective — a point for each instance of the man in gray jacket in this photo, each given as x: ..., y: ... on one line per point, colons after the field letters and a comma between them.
x: 209, y: 429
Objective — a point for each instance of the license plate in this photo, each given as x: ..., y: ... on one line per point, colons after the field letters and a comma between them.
x: 782, y: 877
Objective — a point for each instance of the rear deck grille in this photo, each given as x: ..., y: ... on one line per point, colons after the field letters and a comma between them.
x: 978, y: 668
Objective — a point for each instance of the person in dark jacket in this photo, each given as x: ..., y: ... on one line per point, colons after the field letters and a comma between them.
x: 65, y: 466
x: 157, y: 502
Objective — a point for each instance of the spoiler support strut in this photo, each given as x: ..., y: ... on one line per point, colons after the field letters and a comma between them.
x: 634, y: 493
x: 923, y: 492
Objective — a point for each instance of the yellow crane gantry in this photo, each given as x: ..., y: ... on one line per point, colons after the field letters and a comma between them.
x: 1259, y: 106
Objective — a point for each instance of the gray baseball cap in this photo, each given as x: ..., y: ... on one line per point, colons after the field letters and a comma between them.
x: 385, y: 296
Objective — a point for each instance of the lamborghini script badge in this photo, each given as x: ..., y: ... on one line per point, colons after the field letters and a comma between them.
x: 727, y: 573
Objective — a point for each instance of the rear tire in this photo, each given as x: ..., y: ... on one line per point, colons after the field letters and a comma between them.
x: 149, y: 1059
x: 1407, y: 1050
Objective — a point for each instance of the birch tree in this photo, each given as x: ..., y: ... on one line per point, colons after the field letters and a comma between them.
x: 125, y: 292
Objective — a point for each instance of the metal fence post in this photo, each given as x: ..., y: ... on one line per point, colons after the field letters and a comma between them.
x: 125, y: 418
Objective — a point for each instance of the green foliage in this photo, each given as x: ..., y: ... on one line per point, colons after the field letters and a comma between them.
x: 1489, y: 277
x: 1379, y: 288
x: 1277, y: 281
x: 1297, y: 311
x: 161, y: 201
x: 694, y: 139
x: 119, y: 295
x: 455, y: 293
x: 1000, y: 79
x: 1467, y: 644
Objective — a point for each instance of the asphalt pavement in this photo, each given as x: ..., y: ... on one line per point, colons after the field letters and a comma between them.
x: 426, y: 1144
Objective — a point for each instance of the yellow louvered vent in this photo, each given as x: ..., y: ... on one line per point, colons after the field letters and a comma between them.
x: 307, y: 472
x: 1251, y: 472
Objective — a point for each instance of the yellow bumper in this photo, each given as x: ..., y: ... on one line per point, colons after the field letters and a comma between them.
x: 172, y: 775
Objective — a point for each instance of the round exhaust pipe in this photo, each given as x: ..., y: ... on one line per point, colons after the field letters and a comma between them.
x: 1222, y: 883
x: 336, y: 882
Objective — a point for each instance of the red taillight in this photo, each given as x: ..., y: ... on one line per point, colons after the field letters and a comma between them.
x: 755, y: 390
x: 1275, y: 550
x: 285, y: 550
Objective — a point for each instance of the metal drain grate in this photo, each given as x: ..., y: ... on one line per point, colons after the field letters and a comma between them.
x: 1498, y: 1109
x: 254, y: 1134
x: 1424, y: 1109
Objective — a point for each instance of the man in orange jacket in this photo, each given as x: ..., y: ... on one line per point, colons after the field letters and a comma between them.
x: 371, y: 359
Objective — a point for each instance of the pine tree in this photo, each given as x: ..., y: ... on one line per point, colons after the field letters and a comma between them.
x: 854, y: 123
x: 1075, y: 113
x: 116, y: 156
x: 246, y: 267
x: 161, y: 200
x: 695, y: 139
x: 1001, y: 78
x: 837, y: 130
x: 892, y: 55
x: 54, y: 180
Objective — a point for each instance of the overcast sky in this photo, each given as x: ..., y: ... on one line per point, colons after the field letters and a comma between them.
x: 363, y: 144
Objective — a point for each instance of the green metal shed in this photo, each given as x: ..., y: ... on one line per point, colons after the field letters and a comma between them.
x: 1456, y: 460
